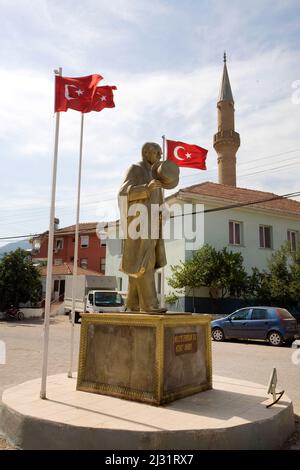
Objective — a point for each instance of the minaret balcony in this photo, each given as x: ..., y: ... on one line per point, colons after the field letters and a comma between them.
x: 227, y: 137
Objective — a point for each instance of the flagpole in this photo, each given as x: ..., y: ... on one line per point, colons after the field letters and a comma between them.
x: 162, y: 285
x: 74, y: 279
x: 50, y: 258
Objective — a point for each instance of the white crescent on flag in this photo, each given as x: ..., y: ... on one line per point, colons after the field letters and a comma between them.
x: 176, y: 152
x: 68, y: 97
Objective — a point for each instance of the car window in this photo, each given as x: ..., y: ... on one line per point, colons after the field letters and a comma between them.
x: 241, y: 314
x: 283, y: 313
x: 259, y: 314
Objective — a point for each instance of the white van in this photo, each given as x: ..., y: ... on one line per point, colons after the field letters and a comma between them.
x: 93, y: 294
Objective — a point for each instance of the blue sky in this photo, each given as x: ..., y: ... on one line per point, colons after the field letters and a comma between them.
x: 165, y: 57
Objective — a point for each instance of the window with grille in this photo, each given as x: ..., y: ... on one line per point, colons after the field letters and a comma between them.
x: 59, y: 243
x: 103, y: 242
x: 235, y: 232
x: 159, y: 283
x: 265, y: 236
x: 84, y: 263
x: 102, y: 265
x: 292, y: 238
x: 84, y: 241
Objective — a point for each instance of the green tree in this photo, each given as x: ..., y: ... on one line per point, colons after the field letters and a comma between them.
x: 281, y: 276
x: 232, y: 276
x: 295, y: 276
x: 20, y: 280
x: 259, y: 287
x: 171, y: 299
x: 280, y: 284
x: 222, y: 272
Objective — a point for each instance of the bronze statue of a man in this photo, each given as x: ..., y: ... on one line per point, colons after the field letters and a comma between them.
x: 141, y: 256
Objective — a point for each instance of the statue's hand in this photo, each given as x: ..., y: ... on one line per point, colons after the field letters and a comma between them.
x: 154, y: 184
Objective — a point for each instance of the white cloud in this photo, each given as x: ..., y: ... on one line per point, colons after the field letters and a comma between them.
x: 148, y: 105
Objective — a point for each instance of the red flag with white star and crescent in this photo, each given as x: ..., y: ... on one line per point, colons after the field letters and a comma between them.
x: 186, y: 155
x: 75, y: 93
x: 103, y: 98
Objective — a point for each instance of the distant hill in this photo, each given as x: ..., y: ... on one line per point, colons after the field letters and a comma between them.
x: 14, y: 245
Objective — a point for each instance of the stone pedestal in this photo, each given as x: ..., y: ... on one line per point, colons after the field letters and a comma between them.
x: 149, y: 358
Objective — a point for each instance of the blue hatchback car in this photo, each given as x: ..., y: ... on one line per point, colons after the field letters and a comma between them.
x: 272, y: 324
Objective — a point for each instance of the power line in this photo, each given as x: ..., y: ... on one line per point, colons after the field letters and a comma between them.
x: 20, y: 236
x: 231, y: 206
x: 270, y: 169
x: 270, y: 156
x: 187, y: 176
x: 242, y: 204
x: 69, y: 210
x: 183, y: 177
x: 266, y: 169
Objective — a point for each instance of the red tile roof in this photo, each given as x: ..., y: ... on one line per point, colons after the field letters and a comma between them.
x: 251, y: 197
x: 86, y: 227
x: 67, y: 269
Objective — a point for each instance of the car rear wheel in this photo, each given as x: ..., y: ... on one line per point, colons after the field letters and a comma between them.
x: 20, y: 316
x: 275, y: 338
x: 289, y: 341
x: 77, y: 317
x: 218, y: 334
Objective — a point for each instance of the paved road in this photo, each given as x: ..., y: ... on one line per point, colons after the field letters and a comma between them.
x: 24, y: 349
x: 249, y: 361
x: 254, y: 362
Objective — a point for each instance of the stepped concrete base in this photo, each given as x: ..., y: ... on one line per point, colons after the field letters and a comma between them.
x: 231, y: 416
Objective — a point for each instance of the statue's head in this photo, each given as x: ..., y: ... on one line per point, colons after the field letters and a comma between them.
x: 151, y: 152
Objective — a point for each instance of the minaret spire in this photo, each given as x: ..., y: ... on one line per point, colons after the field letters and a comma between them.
x: 226, y: 140
x: 225, y: 90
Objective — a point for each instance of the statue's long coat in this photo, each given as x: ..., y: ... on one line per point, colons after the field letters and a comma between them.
x: 137, y: 253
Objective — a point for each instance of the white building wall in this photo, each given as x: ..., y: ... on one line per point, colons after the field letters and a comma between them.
x: 113, y: 259
x: 55, y: 277
x: 175, y: 252
x: 216, y: 230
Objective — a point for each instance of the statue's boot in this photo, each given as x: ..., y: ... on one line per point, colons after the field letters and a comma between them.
x: 154, y: 310
x: 133, y: 309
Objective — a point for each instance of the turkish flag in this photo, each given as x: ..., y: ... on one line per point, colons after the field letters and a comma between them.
x: 103, y: 98
x: 186, y: 155
x: 75, y: 93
